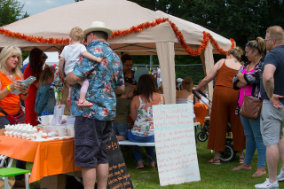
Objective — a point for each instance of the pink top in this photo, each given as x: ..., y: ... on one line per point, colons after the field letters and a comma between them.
x: 245, y: 91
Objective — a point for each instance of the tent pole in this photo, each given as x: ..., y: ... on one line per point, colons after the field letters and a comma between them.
x: 209, y: 64
x: 166, y: 56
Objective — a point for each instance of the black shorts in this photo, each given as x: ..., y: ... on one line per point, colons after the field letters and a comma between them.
x: 91, y: 137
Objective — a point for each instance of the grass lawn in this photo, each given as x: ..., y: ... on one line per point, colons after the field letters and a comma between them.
x: 212, y: 176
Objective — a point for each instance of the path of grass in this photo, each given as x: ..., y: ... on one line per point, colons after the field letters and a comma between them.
x: 212, y: 176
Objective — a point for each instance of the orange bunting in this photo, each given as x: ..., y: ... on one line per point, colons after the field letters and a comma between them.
x: 34, y: 38
x: 133, y: 29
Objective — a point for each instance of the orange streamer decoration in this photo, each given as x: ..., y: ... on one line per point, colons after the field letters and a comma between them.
x: 54, y: 41
x: 133, y: 29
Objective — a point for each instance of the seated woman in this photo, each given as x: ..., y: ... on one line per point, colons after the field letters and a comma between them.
x: 185, y: 94
x: 141, y: 112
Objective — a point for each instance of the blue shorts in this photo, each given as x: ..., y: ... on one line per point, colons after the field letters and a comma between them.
x: 91, y: 137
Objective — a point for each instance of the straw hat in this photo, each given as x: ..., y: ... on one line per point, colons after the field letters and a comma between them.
x: 97, y: 26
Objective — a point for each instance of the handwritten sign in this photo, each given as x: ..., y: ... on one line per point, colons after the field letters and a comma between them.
x: 118, y: 177
x: 175, y: 144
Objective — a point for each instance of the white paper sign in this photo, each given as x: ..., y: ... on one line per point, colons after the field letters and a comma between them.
x: 175, y: 144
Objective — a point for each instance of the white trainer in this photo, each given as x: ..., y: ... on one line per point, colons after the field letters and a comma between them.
x: 280, y: 177
x: 267, y: 185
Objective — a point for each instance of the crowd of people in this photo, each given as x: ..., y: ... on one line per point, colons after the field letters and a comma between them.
x: 105, y: 97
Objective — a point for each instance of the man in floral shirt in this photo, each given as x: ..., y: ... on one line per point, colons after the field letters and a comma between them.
x: 93, y: 125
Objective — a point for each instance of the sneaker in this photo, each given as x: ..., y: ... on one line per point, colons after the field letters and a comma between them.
x: 280, y: 177
x: 267, y: 185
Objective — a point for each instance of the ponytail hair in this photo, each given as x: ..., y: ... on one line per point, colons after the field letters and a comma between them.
x: 259, y: 45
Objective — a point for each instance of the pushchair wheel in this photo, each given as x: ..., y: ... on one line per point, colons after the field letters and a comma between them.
x: 202, y: 136
x: 229, y: 154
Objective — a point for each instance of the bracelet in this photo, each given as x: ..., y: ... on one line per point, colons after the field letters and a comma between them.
x: 8, y: 87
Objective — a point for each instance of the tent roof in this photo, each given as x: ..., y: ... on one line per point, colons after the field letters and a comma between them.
x: 117, y: 15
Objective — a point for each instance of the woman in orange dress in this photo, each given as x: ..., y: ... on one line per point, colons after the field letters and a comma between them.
x: 224, y: 105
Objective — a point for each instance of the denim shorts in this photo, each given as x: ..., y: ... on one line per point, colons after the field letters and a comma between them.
x: 91, y: 137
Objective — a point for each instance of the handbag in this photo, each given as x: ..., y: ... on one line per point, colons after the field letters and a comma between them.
x: 15, y: 119
x: 251, y: 107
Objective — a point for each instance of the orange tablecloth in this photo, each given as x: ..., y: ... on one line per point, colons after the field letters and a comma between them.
x: 48, y: 157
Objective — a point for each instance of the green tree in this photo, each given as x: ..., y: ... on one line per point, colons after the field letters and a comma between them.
x: 10, y: 11
x: 239, y: 19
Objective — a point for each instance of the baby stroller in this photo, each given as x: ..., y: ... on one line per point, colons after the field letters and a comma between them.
x: 229, y: 154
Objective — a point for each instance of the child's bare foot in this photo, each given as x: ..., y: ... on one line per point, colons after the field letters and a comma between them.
x: 84, y: 103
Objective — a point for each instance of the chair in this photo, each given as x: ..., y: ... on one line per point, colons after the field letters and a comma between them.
x: 12, y: 171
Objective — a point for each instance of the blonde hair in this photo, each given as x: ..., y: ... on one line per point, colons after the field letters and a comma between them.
x: 76, y: 34
x: 8, y: 52
x: 45, y: 75
x: 237, y: 52
x: 187, y: 84
x: 258, y: 44
x: 276, y: 32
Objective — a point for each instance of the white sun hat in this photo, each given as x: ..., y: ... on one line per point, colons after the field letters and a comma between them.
x: 98, y: 26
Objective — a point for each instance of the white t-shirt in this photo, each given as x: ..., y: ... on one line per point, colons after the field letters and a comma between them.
x: 71, y: 55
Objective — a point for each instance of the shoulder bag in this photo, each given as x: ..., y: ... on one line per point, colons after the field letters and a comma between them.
x: 251, y: 107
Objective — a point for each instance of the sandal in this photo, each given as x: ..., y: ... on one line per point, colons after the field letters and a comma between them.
x: 84, y: 103
x: 214, y: 161
x: 242, y: 167
x: 259, y: 172
x: 140, y: 165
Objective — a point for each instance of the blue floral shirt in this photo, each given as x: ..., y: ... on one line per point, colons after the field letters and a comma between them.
x: 103, y: 78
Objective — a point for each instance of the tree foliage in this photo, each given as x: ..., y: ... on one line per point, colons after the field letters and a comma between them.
x: 240, y: 19
x: 10, y: 11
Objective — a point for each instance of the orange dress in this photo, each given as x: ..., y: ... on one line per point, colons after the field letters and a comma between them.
x: 223, y: 111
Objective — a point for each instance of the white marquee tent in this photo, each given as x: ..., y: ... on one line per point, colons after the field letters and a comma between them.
x: 120, y: 15
x: 52, y: 58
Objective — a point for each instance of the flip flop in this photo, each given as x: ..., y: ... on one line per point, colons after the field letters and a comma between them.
x: 84, y: 103
x: 242, y: 167
x: 215, y: 161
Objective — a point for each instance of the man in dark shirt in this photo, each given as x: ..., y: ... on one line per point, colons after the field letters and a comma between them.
x: 272, y: 115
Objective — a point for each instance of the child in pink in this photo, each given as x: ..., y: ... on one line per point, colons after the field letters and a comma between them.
x: 70, y: 56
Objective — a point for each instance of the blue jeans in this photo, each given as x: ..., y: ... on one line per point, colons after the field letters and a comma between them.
x: 253, y: 141
x: 120, y: 129
x: 136, y: 150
